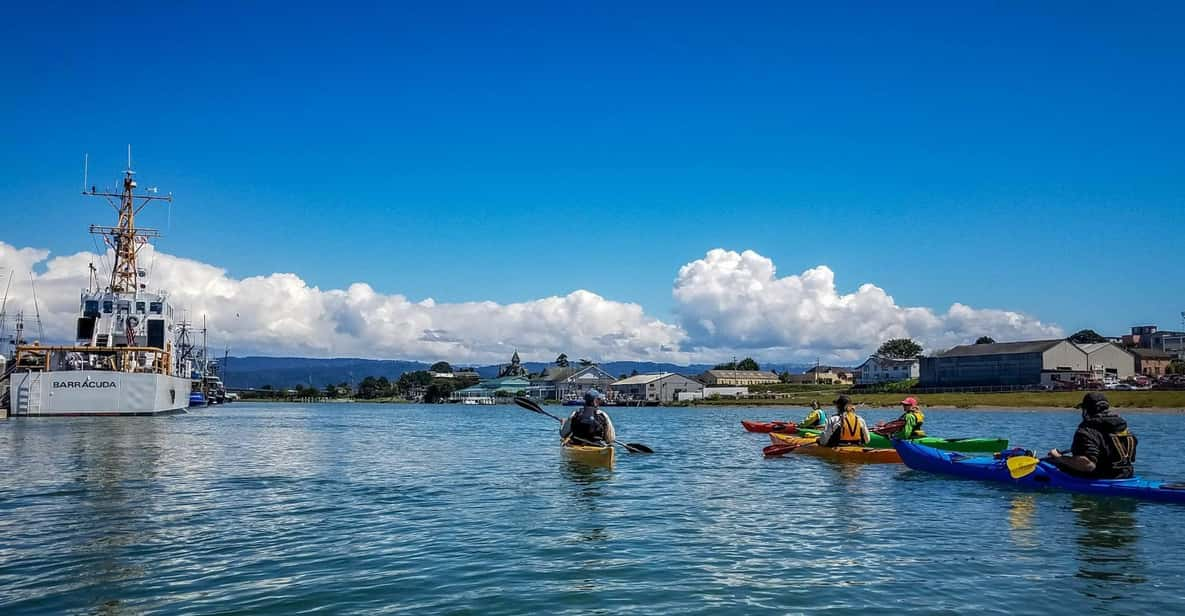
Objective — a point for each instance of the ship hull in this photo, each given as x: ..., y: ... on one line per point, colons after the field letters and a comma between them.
x: 87, y: 393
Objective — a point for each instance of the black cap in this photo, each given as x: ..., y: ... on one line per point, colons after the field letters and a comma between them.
x: 1094, y: 401
x: 844, y: 400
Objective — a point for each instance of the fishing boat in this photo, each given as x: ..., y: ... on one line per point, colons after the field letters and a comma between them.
x: 122, y: 358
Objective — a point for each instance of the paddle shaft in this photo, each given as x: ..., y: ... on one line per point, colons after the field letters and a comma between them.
x: 782, y: 449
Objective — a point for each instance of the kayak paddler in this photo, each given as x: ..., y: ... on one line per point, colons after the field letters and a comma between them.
x: 817, y: 418
x: 913, y: 417
x: 589, y: 425
x: 1102, y: 448
x: 845, y: 427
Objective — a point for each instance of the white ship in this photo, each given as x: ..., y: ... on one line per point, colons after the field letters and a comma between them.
x: 122, y: 361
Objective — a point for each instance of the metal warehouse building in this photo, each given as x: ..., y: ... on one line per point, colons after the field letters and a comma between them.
x: 1020, y: 363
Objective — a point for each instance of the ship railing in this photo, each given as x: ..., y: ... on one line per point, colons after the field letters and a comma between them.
x: 151, y: 360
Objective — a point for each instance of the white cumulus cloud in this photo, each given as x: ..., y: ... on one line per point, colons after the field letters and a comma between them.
x: 280, y: 314
x: 737, y: 301
x: 726, y: 303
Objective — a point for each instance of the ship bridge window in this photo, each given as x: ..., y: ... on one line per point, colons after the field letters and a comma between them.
x: 91, y: 306
x: 155, y: 307
x: 108, y: 306
x: 140, y: 307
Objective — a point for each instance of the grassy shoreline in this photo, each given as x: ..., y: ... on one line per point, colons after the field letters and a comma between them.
x: 1152, y: 400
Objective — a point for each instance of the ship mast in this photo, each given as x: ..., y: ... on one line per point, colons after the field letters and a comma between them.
x: 125, y: 240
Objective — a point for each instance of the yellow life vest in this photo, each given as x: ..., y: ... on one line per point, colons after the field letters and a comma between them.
x: 919, y: 418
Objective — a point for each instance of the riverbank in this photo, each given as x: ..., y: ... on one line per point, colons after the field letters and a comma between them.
x: 1153, y: 400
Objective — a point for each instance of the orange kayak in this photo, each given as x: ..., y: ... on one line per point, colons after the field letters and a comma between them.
x: 784, y: 427
x: 865, y: 455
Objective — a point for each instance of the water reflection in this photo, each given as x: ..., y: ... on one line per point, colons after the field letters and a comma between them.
x: 848, y: 472
x: 1107, y: 545
x: 586, y: 481
x: 587, y: 491
x: 116, y: 463
x: 1020, y: 520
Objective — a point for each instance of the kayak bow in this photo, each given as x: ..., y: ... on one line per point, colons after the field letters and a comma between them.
x: 765, y: 427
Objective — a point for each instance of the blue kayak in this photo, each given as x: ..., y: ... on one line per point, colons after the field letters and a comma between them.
x: 1045, y: 477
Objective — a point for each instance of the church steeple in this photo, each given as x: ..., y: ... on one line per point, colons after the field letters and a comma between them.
x: 514, y: 368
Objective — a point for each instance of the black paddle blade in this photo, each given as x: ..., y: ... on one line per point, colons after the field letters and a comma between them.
x: 534, y: 407
x: 528, y: 404
x: 638, y: 448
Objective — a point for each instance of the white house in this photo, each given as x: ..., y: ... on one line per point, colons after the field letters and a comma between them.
x: 877, y: 369
x: 661, y: 387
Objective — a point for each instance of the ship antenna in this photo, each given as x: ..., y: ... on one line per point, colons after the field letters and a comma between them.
x: 4, y: 307
x: 85, y: 164
x: 36, y: 309
x: 125, y: 239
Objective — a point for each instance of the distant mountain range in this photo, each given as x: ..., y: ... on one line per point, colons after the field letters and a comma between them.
x: 283, y: 372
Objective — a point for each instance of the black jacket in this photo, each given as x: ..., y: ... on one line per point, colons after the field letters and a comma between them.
x: 1104, y: 439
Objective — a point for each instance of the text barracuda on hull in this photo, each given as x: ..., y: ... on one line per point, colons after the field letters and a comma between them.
x: 84, y: 384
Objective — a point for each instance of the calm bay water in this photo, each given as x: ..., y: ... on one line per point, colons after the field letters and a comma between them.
x: 447, y: 509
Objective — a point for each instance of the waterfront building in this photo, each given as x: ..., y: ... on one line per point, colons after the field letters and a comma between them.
x: 725, y: 392
x: 823, y: 375
x: 660, y: 387
x: 1110, y: 359
x: 738, y: 377
x: 1169, y: 342
x: 1141, y: 337
x: 514, y: 368
x: 546, y: 382
x: 1016, y: 364
x: 574, y: 386
x: 877, y: 370
x: 713, y: 392
x: 1152, y: 363
x: 1000, y: 364
x: 488, y: 390
x: 1150, y: 337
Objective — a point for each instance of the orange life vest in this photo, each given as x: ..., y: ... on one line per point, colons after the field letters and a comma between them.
x: 849, y: 432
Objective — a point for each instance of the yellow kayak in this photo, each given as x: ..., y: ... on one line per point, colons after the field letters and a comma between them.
x: 846, y: 453
x: 589, y: 454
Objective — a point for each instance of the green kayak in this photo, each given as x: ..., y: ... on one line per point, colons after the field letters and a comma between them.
x: 962, y: 445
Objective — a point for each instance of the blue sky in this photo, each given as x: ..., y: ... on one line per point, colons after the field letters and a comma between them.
x: 1025, y: 156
